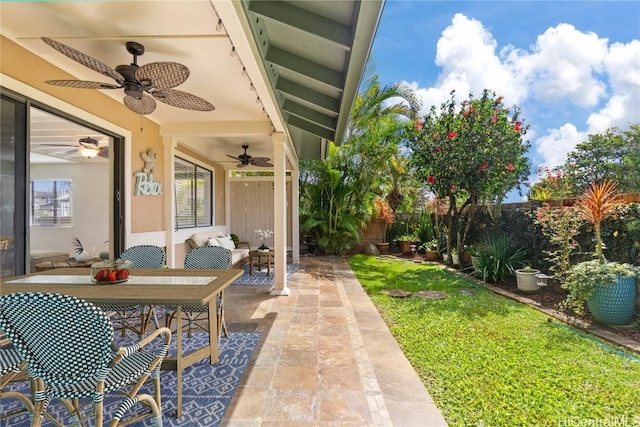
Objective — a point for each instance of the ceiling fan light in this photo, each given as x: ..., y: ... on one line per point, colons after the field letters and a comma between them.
x: 88, y: 152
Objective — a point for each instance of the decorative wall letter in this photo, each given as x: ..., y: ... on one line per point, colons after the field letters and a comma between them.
x: 145, y: 185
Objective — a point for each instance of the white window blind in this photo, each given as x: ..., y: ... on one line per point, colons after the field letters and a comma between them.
x: 193, y: 191
x: 51, y: 203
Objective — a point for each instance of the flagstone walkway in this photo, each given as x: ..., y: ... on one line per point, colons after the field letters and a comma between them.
x: 326, y: 358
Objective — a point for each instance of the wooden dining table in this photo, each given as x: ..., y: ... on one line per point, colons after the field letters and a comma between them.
x: 176, y: 287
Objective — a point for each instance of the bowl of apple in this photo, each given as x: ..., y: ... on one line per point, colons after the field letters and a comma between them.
x: 110, y: 272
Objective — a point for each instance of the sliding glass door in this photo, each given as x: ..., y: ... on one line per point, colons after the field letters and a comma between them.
x: 61, y: 179
x: 13, y: 172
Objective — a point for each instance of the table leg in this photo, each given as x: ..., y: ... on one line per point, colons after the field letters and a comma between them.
x: 213, y: 331
x: 179, y: 360
x: 269, y: 265
x: 250, y: 265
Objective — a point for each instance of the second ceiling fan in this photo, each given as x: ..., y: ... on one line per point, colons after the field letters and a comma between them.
x: 246, y: 160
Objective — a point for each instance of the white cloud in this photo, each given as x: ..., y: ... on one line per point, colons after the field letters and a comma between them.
x: 467, y: 54
x: 564, y: 64
x: 554, y: 146
x: 622, y: 65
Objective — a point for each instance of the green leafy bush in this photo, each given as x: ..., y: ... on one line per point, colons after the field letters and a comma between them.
x: 499, y: 257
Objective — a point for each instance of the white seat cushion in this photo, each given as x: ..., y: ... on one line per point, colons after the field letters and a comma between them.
x: 238, y: 255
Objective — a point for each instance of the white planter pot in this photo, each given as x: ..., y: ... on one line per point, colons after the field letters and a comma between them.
x: 527, y: 280
x: 455, y: 259
x: 83, y: 256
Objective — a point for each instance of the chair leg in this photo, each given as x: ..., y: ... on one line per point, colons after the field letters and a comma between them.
x: 222, y: 325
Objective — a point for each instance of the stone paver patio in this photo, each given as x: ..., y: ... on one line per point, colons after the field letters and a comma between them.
x: 326, y: 357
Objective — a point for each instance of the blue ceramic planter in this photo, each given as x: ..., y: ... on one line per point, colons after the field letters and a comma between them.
x: 614, y: 304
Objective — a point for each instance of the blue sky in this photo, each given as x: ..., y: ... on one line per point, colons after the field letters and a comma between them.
x: 573, y: 67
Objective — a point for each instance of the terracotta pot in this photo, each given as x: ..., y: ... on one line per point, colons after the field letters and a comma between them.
x: 383, y: 248
x: 432, y: 256
x: 405, y: 247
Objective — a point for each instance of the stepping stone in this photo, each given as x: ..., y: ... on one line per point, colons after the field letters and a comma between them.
x: 396, y: 293
x: 468, y: 292
x: 430, y: 295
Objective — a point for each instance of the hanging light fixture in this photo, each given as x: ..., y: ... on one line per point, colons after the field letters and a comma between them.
x: 88, y: 152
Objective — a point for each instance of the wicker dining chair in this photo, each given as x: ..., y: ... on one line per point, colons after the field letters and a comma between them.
x: 12, y: 368
x: 132, y: 316
x: 70, y: 353
x: 203, y: 257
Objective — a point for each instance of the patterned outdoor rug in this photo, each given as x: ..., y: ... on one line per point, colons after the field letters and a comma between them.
x: 259, y: 277
x: 207, y: 390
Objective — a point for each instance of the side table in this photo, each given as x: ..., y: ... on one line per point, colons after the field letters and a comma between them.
x: 261, y: 259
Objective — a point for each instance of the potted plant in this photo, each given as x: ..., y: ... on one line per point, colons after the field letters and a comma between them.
x: 385, y: 215
x: 431, y: 250
x: 608, y: 288
x: 472, y: 250
x: 526, y: 279
x: 263, y: 235
x: 81, y: 254
x: 405, y: 243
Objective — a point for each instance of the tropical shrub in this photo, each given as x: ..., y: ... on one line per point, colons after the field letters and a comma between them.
x: 469, y: 153
x: 499, y: 257
x: 560, y: 225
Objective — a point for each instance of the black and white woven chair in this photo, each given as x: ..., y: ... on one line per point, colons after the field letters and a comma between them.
x: 70, y: 353
x: 204, y: 257
x: 135, y: 317
x: 11, y: 369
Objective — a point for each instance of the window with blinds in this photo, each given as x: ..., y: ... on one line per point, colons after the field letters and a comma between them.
x: 51, y: 203
x: 193, y: 191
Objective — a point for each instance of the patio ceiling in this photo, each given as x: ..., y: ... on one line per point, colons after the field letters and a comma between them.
x: 314, y: 53
x: 303, y: 61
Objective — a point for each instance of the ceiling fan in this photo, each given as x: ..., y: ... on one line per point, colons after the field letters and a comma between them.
x: 246, y: 160
x: 141, y: 84
x: 87, y: 147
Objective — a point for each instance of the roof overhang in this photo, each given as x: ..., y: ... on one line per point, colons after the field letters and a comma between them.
x: 314, y: 54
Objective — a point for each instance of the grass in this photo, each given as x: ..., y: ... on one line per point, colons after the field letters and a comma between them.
x: 487, y: 360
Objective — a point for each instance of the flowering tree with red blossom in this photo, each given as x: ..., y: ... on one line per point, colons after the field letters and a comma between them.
x: 469, y: 153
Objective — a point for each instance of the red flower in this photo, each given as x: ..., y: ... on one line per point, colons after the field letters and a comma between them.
x: 484, y: 166
x: 494, y: 119
x: 434, y: 136
x: 517, y: 126
x: 510, y: 167
x: 453, y: 187
x: 465, y: 114
x: 451, y: 135
x: 499, y: 99
x: 437, y: 149
x: 418, y: 125
x: 431, y: 179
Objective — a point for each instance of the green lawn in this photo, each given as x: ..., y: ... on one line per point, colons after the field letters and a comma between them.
x: 489, y: 361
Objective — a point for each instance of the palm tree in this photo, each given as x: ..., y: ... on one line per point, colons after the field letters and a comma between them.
x: 336, y: 196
